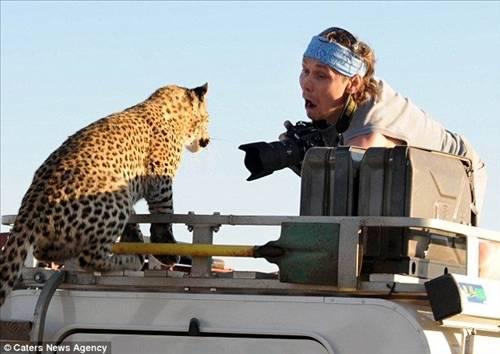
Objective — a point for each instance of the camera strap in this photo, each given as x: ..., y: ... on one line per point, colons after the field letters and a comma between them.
x: 345, y: 119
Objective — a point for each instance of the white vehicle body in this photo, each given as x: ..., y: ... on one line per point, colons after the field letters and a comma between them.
x: 145, y: 322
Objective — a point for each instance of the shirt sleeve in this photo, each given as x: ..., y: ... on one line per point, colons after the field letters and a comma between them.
x: 396, y: 116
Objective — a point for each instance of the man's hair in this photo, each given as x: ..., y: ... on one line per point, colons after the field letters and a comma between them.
x: 369, y: 87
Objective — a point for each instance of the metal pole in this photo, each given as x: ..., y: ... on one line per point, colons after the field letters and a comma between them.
x: 202, y: 266
x: 42, y: 305
x: 347, y: 271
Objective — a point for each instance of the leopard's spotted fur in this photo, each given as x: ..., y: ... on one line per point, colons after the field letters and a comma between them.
x: 81, y: 197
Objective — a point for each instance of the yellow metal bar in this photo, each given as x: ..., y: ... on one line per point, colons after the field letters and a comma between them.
x: 176, y: 249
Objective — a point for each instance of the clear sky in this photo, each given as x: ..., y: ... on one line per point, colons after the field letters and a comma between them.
x: 67, y: 64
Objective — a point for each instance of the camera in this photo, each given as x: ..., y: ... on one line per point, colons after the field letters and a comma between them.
x: 263, y: 158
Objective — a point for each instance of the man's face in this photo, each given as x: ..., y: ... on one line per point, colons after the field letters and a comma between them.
x: 323, y: 90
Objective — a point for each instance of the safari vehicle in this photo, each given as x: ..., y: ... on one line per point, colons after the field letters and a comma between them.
x: 384, y: 258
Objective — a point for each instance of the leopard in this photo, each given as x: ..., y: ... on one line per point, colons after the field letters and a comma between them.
x: 82, y: 196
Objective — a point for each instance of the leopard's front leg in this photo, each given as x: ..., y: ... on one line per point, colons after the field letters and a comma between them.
x: 159, y: 199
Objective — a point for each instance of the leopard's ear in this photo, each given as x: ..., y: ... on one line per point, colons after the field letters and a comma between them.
x: 201, y: 91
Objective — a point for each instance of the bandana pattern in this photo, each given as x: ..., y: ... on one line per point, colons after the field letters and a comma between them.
x: 335, y: 56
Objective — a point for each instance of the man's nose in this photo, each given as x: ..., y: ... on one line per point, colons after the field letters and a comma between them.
x: 306, y: 84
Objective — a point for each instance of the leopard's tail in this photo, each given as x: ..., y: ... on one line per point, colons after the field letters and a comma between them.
x: 12, y: 257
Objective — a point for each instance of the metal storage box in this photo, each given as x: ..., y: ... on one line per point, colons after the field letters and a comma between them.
x: 399, y: 181
x: 408, y: 181
x: 329, y: 183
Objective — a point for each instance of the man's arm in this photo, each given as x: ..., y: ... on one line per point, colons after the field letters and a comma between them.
x: 372, y: 140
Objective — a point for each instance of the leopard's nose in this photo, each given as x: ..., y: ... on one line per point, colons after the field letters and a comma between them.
x: 204, y: 142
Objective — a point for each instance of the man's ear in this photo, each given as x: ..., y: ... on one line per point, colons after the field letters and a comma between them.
x: 354, y: 84
x: 201, y: 91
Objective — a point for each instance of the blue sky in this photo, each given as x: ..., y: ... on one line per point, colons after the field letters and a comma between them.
x: 66, y: 64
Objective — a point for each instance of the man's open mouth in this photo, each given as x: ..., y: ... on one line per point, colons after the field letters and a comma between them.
x: 309, y: 104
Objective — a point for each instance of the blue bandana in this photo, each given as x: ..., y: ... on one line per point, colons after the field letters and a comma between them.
x: 335, y: 56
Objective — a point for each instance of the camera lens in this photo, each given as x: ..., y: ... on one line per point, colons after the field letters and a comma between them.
x: 262, y: 158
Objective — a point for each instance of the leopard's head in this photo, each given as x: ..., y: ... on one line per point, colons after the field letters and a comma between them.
x: 198, y: 137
